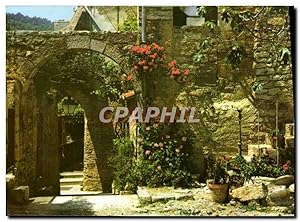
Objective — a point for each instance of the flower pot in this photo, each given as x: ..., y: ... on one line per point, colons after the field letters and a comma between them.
x: 219, y: 192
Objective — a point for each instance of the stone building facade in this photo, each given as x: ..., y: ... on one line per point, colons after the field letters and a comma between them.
x: 219, y: 88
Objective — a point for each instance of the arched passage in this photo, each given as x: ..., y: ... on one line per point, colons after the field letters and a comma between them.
x: 38, y: 109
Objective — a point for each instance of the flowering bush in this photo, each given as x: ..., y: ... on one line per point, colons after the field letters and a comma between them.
x: 176, y: 72
x: 163, y: 158
x: 146, y: 58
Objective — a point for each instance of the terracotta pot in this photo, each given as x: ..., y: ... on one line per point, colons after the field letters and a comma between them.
x: 219, y: 192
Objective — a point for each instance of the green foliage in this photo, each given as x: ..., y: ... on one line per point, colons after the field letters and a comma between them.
x: 122, y: 162
x: 284, y: 55
x: 210, y: 25
x: 21, y: 22
x: 89, y: 71
x: 241, y: 21
x: 236, y: 171
x: 235, y: 55
x: 202, y: 10
x: 163, y: 160
x: 257, y: 86
x: 202, y: 51
x: 129, y: 24
x: 259, y: 166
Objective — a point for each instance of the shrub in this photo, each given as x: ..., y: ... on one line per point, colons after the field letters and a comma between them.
x: 163, y: 157
x: 122, y: 162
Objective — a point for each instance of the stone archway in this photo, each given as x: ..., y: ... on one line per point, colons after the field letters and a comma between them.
x: 39, y: 109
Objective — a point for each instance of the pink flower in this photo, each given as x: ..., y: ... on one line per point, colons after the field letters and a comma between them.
x: 175, y: 71
x: 158, y: 167
x: 156, y: 145
x: 285, y: 167
x: 172, y: 63
x: 147, y: 152
x: 142, y: 62
x: 161, y: 144
x: 129, y: 77
x: 186, y: 72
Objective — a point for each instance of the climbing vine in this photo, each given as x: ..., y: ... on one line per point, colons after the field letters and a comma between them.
x: 242, y: 21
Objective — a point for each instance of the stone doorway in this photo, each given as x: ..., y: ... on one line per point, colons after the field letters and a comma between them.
x: 37, y: 152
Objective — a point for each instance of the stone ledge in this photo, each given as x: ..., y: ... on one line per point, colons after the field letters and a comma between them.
x: 19, y: 195
x: 164, y: 194
x: 143, y: 196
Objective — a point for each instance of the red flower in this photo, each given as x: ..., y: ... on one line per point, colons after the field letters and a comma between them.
x: 142, y: 62
x: 175, y: 71
x: 135, y: 67
x: 129, y: 77
x: 155, y: 45
x: 153, y: 56
x: 172, y: 63
x: 186, y: 72
x: 135, y: 48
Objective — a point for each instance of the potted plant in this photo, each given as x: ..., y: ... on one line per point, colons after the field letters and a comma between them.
x: 219, y: 185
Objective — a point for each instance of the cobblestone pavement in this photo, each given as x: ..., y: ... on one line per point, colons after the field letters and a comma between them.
x: 128, y: 205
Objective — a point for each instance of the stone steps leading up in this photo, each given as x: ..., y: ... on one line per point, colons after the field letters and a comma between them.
x: 71, y: 181
x: 74, y: 174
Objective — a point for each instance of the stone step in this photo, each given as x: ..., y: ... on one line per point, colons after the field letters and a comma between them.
x: 71, y: 181
x: 74, y: 174
x: 76, y: 190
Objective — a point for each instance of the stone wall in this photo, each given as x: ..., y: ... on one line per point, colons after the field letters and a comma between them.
x: 28, y: 51
x: 220, y: 90
x: 229, y: 87
x: 37, y: 159
x: 276, y: 78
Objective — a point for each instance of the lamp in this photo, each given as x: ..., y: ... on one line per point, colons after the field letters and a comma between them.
x: 69, y: 106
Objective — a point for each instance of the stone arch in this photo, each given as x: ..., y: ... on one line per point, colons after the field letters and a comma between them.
x: 27, y: 70
x: 99, y: 179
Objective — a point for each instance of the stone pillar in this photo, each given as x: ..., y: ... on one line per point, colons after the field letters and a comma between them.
x: 48, y: 150
x: 26, y: 161
x: 159, y: 28
x: 98, y: 146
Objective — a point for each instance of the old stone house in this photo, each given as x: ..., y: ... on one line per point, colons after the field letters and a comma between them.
x: 33, y: 147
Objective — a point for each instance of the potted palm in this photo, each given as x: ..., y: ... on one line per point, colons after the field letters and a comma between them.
x: 219, y: 185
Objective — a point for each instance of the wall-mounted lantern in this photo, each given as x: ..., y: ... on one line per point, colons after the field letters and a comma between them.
x: 69, y: 106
